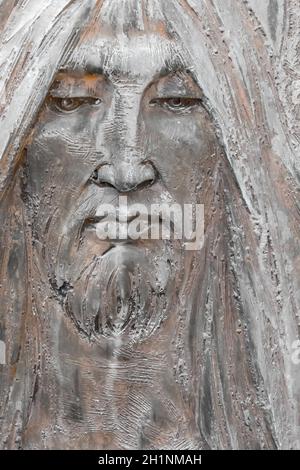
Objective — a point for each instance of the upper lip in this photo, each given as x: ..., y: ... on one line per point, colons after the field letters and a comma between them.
x: 127, y: 218
x: 99, y: 218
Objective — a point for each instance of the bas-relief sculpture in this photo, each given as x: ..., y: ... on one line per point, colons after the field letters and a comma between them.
x: 142, y: 344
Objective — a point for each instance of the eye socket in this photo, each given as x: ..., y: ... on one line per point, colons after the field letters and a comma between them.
x: 69, y: 104
x: 176, y: 103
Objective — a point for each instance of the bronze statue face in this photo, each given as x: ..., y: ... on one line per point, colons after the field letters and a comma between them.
x: 124, y: 116
x: 143, y: 343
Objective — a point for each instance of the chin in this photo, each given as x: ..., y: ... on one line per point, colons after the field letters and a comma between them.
x: 125, y: 293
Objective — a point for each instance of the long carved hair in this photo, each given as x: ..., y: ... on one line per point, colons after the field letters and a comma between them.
x: 233, y: 351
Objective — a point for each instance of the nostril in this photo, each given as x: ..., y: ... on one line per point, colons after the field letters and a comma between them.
x: 94, y: 177
x: 150, y: 174
x: 104, y: 184
x: 145, y: 184
x: 100, y: 181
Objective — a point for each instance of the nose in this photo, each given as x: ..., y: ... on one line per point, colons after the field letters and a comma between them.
x: 125, y: 176
x: 125, y: 168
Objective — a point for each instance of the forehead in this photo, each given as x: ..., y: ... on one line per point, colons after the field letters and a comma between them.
x: 139, y: 57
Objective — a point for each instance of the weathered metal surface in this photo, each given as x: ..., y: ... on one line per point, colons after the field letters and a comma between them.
x: 147, y: 345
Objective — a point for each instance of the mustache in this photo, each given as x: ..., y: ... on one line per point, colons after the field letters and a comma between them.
x: 124, y: 223
x: 87, y: 213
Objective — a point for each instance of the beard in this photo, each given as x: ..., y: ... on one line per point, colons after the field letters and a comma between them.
x: 110, y: 290
x: 127, y: 292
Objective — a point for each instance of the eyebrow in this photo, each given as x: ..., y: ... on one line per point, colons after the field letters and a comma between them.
x: 80, y: 70
x: 92, y: 69
x: 104, y: 63
x: 171, y: 67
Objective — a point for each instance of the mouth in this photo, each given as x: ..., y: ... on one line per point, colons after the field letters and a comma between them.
x: 129, y: 228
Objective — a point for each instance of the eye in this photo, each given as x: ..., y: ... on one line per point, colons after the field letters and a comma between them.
x: 176, y: 103
x: 69, y: 104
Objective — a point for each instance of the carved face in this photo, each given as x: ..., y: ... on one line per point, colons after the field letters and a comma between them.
x: 124, y: 116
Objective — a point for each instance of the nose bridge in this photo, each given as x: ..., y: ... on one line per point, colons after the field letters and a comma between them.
x: 126, y: 169
x: 128, y: 122
x: 120, y: 133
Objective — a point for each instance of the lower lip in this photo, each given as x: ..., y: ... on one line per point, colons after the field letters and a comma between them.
x: 122, y: 229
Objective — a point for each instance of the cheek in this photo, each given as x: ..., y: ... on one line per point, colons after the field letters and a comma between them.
x: 60, y: 158
x: 183, y: 148
x: 58, y: 168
